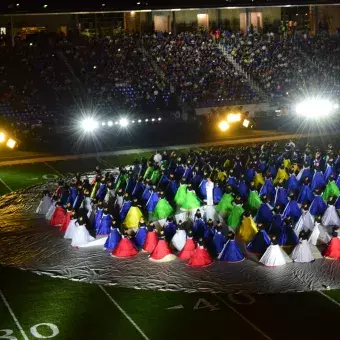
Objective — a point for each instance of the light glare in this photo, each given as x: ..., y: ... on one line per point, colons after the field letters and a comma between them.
x: 224, y: 126
x: 2, y: 137
x: 89, y: 124
x: 110, y: 123
x: 246, y: 123
x: 11, y: 143
x: 124, y: 122
x: 313, y: 108
x: 233, y: 117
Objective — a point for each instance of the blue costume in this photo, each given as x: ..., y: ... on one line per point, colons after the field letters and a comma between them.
x: 292, y: 183
x: 199, y: 226
x: 147, y: 193
x: 130, y: 186
x: 171, y: 189
x: 318, y: 206
x: 217, y: 194
x: 281, y: 197
x: 203, y: 189
x: 141, y: 235
x: 124, y: 209
x: 170, y: 230
x: 101, y: 193
x: 287, y: 237
x: 105, y: 224
x: 113, y: 238
x: 318, y: 181
x: 138, y: 189
x: 218, y: 241
x: 292, y: 210
x: 152, y: 202
x: 264, y: 214
x: 306, y: 194
x: 243, y: 190
x: 98, y: 217
x: 231, y: 252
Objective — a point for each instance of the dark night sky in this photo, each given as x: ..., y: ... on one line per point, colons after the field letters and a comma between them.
x: 79, y: 5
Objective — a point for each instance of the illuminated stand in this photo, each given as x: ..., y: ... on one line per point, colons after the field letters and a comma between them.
x: 8, y: 141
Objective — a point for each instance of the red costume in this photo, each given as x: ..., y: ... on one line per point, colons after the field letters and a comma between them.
x: 150, y: 241
x: 58, y: 216
x: 125, y: 248
x: 200, y: 258
x: 333, y: 248
x: 66, y: 221
x: 188, y: 249
x: 162, y: 249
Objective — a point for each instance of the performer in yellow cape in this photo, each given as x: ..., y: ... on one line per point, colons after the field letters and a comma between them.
x: 282, y: 175
x: 133, y: 216
x: 247, y: 228
x: 258, y: 180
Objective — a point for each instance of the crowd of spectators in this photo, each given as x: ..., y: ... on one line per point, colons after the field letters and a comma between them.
x: 45, y: 79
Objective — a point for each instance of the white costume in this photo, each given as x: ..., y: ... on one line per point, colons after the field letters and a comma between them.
x: 209, y: 188
x: 274, y: 256
x: 305, y: 222
x: 81, y: 236
x: 331, y: 217
x: 157, y: 158
x: 302, y: 252
x: 71, y: 229
x: 319, y: 235
x: 44, y: 205
x: 50, y: 212
x: 179, y: 239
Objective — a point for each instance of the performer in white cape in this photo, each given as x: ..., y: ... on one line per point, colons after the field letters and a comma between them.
x: 331, y: 217
x: 209, y: 188
x: 44, y: 204
x: 81, y: 236
x: 303, y: 252
x: 319, y: 234
x: 51, y: 210
x: 180, y: 238
x: 274, y: 255
x: 72, y: 227
x: 306, y: 220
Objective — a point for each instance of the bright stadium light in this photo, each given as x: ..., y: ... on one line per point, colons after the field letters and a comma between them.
x: 234, y: 117
x: 133, y: 122
x: 11, y: 143
x: 146, y: 120
x: 224, y: 126
x: 139, y: 120
x: 2, y: 137
x: 110, y: 123
x: 89, y: 124
x: 313, y: 108
x: 335, y: 106
x: 153, y: 119
x: 103, y: 123
x: 116, y: 123
x: 246, y: 123
x: 159, y: 119
x: 124, y: 122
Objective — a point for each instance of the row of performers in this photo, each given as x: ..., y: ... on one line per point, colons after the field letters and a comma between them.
x: 209, y: 238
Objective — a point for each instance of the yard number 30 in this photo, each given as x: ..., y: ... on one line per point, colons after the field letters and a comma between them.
x: 34, y: 331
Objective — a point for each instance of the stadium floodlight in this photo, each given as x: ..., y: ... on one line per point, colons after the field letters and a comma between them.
x: 335, y: 106
x: 116, y: 123
x: 146, y: 120
x: 133, y: 122
x: 89, y: 125
x: 234, y: 117
x: 246, y: 123
x: 45, y: 6
x: 109, y: 123
x: 139, y: 120
x: 2, y: 137
x: 153, y: 119
x: 224, y: 126
x: 313, y: 108
x: 123, y: 122
x: 159, y: 119
x: 103, y: 123
x: 11, y: 143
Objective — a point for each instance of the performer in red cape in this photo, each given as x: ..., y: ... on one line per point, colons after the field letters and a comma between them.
x: 151, y: 239
x: 67, y: 218
x: 189, y: 247
x: 58, y: 216
x: 333, y: 249
x: 200, y: 256
x: 125, y: 247
x: 162, y: 252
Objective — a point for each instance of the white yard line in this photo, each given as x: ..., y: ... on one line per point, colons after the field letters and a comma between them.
x: 124, y: 313
x: 1, y: 180
x: 55, y: 170
x: 329, y: 298
x: 244, y: 318
x: 13, y: 316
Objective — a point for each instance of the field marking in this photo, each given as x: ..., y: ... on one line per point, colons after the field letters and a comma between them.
x: 13, y: 316
x: 244, y: 318
x: 329, y: 298
x: 104, y: 162
x: 124, y: 313
x: 2, y: 181
x: 54, y: 169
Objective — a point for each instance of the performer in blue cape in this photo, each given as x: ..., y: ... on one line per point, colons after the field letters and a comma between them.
x: 147, y: 191
x: 232, y: 180
x: 153, y: 200
x: 140, y: 236
x: 318, y: 180
x: 73, y: 193
x: 260, y: 242
x: 318, y: 206
x: 179, y: 172
x: 131, y: 183
x: 127, y: 203
x: 264, y: 214
x: 287, y: 236
x: 330, y: 170
x: 171, y: 188
x: 114, y: 237
x: 292, y: 209
x: 217, y: 193
x: 304, y: 173
x: 199, y: 226
x: 202, y: 188
x: 102, y: 190
x: 306, y: 193
x: 197, y: 178
x: 281, y: 197
x: 188, y: 172
x: 231, y: 252
x: 164, y: 181
x: 250, y: 173
x: 218, y: 240
x: 268, y: 188
x: 170, y: 228
x: 292, y: 183
x: 98, y: 215
x: 139, y: 188
x: 209, y: 233
x: 243, y: 188
x: 277, y: 222
x: 79, y: 199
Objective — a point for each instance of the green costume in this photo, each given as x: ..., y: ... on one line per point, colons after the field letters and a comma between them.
x: 155, y: 177
x: 162, y: 210
x: 235, y: 217
x: 254, y: 200
x: 191, y: 201
x: 331, y: 190
x: 226, y: 203
x: 148, y: 172
x: 181, y: 194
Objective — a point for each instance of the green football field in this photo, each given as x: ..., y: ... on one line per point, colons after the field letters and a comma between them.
x: 36, y: 307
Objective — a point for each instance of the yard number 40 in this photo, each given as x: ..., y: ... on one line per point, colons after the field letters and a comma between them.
x: 34, y: 331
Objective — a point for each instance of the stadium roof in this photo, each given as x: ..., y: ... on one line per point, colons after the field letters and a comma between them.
x: 18, y: 7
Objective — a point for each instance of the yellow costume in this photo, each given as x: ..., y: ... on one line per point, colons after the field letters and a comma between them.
x: 258, y: 180
x: 95, y: 189
x: 286, y: 163
x: 227, y: 163
x: 281, y: 176
x: 222, y: 176
x: 132, y: 218
x: 247, y: 229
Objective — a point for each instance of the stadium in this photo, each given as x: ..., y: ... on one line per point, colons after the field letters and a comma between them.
x: 169, y: 168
